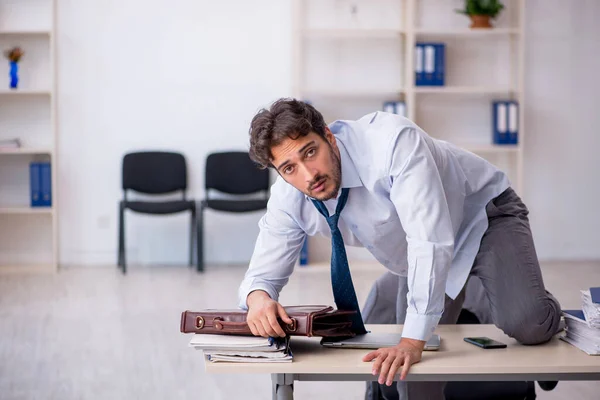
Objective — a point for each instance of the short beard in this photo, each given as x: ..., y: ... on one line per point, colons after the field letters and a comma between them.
x: 336, y: 177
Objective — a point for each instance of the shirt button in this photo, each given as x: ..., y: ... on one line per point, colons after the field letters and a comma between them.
x: 369, y: 247
x: 354, y: 226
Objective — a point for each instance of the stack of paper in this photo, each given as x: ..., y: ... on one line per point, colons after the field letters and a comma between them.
x: 580, y: 334
x: 590, y: 300
x: 243, y: 348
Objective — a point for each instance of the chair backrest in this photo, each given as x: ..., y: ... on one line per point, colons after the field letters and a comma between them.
x: 234, y: 173
x: 154, y: 172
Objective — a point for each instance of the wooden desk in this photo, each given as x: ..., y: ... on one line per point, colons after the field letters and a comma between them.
x: 455, y: 361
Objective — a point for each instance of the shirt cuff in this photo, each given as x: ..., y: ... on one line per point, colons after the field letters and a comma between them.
x: 419, y: 326
x: 257, y: 286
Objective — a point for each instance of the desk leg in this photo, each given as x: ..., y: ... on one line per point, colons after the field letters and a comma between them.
x: 283, y: 386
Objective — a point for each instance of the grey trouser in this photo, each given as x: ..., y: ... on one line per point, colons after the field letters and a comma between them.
x: 505, y: 288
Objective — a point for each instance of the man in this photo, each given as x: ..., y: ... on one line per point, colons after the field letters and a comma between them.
x: 431, y: 213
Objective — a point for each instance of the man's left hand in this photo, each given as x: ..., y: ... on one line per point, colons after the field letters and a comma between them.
x: 389, y: 359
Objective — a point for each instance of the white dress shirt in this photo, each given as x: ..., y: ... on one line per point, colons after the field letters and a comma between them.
x: 416, y: 203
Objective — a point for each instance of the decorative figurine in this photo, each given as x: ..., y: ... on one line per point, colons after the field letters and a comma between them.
x: 14, y: 56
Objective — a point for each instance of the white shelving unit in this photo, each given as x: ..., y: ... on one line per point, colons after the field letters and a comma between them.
x: 27, y: 150
x: 350, y: 56
x: 466, y: 32
x: 28, y: 235
x: 353, y: 33
x: 463, y: 90
x: 17, y: 32
x: 25, y: 92
x: 27, y: 210
x: 333, y: 36
x: 352, y: 94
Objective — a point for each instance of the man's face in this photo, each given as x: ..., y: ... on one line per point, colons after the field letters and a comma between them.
x: 311, y: 164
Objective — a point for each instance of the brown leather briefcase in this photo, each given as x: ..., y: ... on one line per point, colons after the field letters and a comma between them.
x: 308, y: 320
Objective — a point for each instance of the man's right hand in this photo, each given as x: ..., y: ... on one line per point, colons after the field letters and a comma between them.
x: 263, y: 313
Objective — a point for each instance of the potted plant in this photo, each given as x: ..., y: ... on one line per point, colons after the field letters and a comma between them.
x: 481, y: 12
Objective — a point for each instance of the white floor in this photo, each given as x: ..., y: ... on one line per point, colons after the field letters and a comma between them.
x: 91, y: 333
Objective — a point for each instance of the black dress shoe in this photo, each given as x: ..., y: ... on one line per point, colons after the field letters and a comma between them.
x: 547, y: 385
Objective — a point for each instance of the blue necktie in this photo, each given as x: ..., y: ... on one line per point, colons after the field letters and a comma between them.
x: 341, y: 280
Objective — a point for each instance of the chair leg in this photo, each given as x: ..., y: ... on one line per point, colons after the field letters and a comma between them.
x: 121, y: 261
x: 120, y: 251
x: 200, y: 238
x: 192, y: 236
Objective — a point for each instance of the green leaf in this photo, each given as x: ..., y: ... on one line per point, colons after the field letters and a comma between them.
x: 482, y: 7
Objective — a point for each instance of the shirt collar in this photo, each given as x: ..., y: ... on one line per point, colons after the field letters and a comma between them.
x: 350, y: 177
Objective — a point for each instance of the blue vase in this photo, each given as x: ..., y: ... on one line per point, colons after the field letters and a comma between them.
x: 14, y: 75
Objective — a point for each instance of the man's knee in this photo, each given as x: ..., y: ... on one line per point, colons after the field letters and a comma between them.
x: 535, y: 327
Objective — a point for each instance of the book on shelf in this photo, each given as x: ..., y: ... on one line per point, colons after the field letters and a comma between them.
x: 40, y: 183
x: 303, y: 259
x: 430, y: 64
x: 505, y: 122
x: 395, y: 107
x: 418, y: 64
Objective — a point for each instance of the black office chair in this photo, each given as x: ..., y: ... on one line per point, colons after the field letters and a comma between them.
x: 155, y: 173
x: 232, y: 173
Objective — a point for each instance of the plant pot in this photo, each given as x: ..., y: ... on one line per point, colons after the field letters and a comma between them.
x: 480, y: 21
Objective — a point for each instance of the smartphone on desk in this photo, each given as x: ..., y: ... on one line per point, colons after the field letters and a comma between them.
x: 485, y: 342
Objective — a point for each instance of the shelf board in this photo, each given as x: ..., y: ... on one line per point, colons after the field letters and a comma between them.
x: 353, y: 33
x: 27, y: 268
x: 27, y: 150
x: 467, y: 32
x: 353, y: 93
x: 490, y: 148
x: 27, y: 210
x: 36, y: 32
x: 463, y: 89
x: 24, y: 92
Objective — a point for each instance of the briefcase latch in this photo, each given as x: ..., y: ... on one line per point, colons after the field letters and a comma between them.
x: 199, y: 322
x: 293, y: 326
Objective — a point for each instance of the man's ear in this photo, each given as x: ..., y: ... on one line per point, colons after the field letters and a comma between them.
x: 330, y: 137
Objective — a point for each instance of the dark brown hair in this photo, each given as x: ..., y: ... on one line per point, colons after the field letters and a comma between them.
x: 286, y: 118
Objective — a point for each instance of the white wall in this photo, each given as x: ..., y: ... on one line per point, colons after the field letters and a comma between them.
x: 189, y: 76
x: 563, y: 127
x: 156, y: 74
